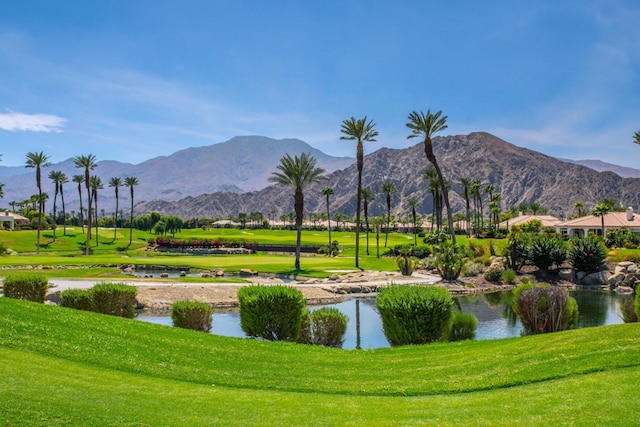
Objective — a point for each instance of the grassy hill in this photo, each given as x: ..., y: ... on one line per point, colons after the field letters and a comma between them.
x: 66, y: 367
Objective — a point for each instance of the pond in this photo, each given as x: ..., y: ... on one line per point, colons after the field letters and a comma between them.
x: 495, y: 319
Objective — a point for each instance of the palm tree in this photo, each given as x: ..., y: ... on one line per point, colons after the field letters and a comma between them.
x: 378, y: 222
x: 116, y: 183
x: 601, y: 209
x: 328, y: 192
x: 131, y: 181
x: 358, y: 130
x: 388, y: 188
x: 425, y: 125
x: 579, y: 206
x: 79, y: 179
x: 88, y: 163
x: 297, y: 173
x: 636, y: 137
x: 413, y: 205
x: 38, y: 161
x: 63, y: 180
x: 431, y: 176
x: 56, y: 177
x: 367, y: 196
x: 488, y: 189
x: 466, y: 186
x: 96, y: 184
x: 476, y: 188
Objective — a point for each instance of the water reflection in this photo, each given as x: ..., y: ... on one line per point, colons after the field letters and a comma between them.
x: 495, y: 317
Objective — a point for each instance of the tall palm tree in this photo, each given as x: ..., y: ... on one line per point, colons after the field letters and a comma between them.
x: 88, y: 163
x: 63, y: 180
x: 636, y: 137
x: 327, y: 192
x: 96, y: 184
x: 601, y: 209
x: 116, y: 183
x: 466, y: 186
x: 56, y: 177
x: 388, y: 188
x: 579, y: 206
x: 358, y: 130
x: 431, y: 176
x: 476, y: 189
x: 413, y: 205
x: 297, y: 173
x: 367, y: 197
x: 489, y: 189
x: 425, y: 125
x: 38, y: 161
x: 131, y: 181
x: 79, y: 179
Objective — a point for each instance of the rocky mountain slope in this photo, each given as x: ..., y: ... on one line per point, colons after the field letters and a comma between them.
x: 600, y: 166
x: 520, y: 175
x: 241, y: 164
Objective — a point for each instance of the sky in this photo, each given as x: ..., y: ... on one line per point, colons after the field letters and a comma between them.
x: 132, y: 80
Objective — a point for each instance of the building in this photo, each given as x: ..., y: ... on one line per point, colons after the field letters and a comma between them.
x: 593, y: 224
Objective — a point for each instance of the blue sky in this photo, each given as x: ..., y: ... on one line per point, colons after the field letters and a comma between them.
x: 131, y: 80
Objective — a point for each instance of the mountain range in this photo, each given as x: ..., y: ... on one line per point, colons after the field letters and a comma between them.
x: 519, y: 174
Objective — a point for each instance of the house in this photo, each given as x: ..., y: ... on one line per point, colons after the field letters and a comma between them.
x: 546, y: 220
x: 13, y: 219
x: 593, y: 224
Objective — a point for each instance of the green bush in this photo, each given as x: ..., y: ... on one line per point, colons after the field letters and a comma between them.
x: 192, y: 315
x: 436, y: 237
x: 472, y: 268
x: 448, y: 261
x: 325, y: 326
x: 420, y: 251
x: 114, y: 299
x: 544, y: 251
x: 509, y: 276
x: 627, y: 308
x: 414, y: 314
x: 493, y: 274
x: 587, y: 253
x: 463, y: 326
x: 79, y: 299
x: 28, y: 287
x: 636, y: 306
x: 543, y: 308
x: 271, y: 312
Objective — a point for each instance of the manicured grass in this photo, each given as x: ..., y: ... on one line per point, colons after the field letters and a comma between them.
x: 71, y: 367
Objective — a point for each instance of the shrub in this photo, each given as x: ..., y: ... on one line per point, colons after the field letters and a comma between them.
x: 509, y: 276
x: 472, y: 268
x: 325, y: 326
x: 79, y: 299
x: 271, y: 312
x: 587, y: 253
x: 114, y: 299
x: 436, y: 237
x: 414, y: 314
x: 448, y: 261
x: 493, y: 275
x: 474, y: 250
x: 421, y: 251
x: 405, y: 262
x: 627, y: 308
x: 636, y: 306
x: 463, y: 326
x: 192, y: 315
x: 544, y: 251
x: 543, y: 308
x: 28, y: 287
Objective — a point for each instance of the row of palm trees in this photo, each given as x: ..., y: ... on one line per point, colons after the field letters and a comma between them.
x: 92, y: 183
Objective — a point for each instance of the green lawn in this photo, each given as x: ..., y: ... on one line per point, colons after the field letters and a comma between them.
x: 69, y: 367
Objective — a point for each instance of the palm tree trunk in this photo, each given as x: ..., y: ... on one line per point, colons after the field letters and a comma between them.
x: 428, y: 149
x: 360, y: 162
x: 55, y: 218
x: 115, y: 218
x: 386, y: 236
x: 299, y: 208
x: 329, y: 227
x: 64, y: 213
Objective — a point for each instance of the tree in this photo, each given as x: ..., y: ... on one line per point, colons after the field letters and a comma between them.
x: 131, y: 181
x: 476, y: 188
x: 63, y: 180
x: 38, y: 161
x: 579, y: 206
x: 297, y: 173
x: 489, y: 189
x: 56, y: 177
x: 413, y: 205
x: 433, y: 184
x: 466, y: 186
x: 96, y: 184
x: 360, y: 131
x: 327, y: 192
x: 79, y: 179
x: 367, y: 196
x: 388, y: 188
x: 636, y: 137
x: 425, y: 125
x: 116, y: 183
x: 601, y: 209
x: 88, y: 163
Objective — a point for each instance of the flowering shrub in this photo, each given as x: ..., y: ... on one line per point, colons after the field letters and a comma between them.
x: 587, y: 253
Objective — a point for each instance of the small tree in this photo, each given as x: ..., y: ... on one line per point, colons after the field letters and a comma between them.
x: 192, y: 315
x: 543, y: 308
x: 325, y: 326
x: 448, y: 262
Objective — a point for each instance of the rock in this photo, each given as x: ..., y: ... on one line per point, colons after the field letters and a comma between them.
x: 620, y: 269
x: 164, y: 274
x: 183, y: 273
x: 624, y: 290
x: 633, y: 268
x: 219, y: 272
x: 616, y: 278
x: 603, y: 267
x: 631, y: 279
x: 580, y: 275
x: 206, y: 275
x: 333, y: 277
x: 247, y: 272
x: 568, y: 274
x: 596, y: 279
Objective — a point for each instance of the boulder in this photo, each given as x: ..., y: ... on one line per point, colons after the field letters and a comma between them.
x: 596, y: 279
x: 247, y: 272
x: 219, y: 272
x: 580, y: 275
x: 624, y: 290
x: 164, y: 275
x: 183, y: 273
x: 633, y: 268
x: 568, y: 274
x: 631, y: 279
x: 616, y: 278
x: 603, y: 267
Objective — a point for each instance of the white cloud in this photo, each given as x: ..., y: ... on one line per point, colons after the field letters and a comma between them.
x: 13, y: 121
